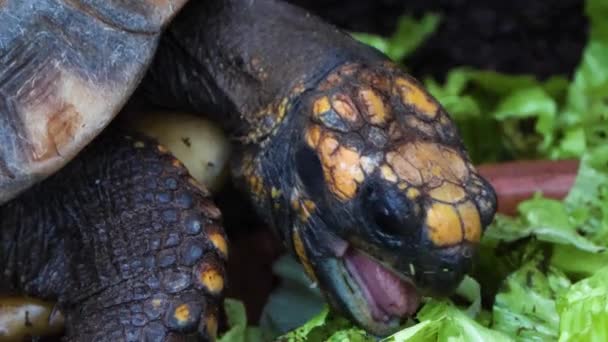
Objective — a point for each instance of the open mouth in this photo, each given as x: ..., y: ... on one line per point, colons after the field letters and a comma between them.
x: 388, y: 296
x: 375, y: 296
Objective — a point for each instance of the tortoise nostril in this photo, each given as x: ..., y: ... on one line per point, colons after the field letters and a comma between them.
x: 391, y: 212
x: 386, y: 220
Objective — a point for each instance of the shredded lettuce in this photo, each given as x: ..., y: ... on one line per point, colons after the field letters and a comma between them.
x: 583, y: 309
x: 525, y: 306
x: 442, y: 321
x: 410, y: 33
x: 237, y: 320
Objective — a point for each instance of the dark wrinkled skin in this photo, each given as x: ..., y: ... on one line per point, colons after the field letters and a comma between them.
x: 117, y: 238
x: 260, y: 76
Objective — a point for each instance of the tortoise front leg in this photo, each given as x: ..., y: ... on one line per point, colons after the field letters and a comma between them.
x: 124, y: 239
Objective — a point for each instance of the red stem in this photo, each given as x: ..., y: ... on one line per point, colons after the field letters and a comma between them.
x: 519, y: 180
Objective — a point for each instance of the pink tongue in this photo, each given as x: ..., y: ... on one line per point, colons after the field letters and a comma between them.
x: 388, y: 293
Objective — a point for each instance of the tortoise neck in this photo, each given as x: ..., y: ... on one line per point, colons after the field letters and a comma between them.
x: 242, y: 61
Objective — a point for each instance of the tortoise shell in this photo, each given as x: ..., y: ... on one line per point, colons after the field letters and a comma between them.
x: 66, y: 69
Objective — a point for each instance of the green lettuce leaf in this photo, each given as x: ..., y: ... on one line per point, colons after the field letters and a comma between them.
x: 237, y: 321
x: 442, y: 321
x: 525, y: 308
x: 409, y: 35
x: 583, y: 310
x: 327, y: 326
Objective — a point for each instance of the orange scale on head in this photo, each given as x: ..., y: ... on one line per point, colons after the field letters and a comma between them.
x: 443, y: 223
x: 472, y: 223
x: 413, y: 95
x: 377, y: 112
x: 344, y: 106
x: 346, y: 173
x: 402, y: 167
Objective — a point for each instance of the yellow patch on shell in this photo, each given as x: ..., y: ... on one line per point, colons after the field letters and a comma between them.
x: 321, y: 106
x: 341, y: 167
x: 413, y: 95
x: 345, y: 108
x: 448, y: 192
x: 443, y: 223
x: 378, y: 113
x: 211, y: 279
x: 219, y: 242
x: 182, y: 314
x: 298, y: 245
x: 472, y: 223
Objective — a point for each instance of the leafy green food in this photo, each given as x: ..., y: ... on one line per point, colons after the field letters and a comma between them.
x: 326, y: 326
x: 442, y: 321
x: 542, y: 275
x: 237, y: 320
x: 525, y: 307
x: 583, y: 310
x: 410, y: 33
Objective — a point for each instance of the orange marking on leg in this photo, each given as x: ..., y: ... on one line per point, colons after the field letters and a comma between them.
x: 210, y: 278
x: 472, y: 223
x: 443, y: 223
x: 182, y: 314
x: 219, y: 242
x: 211, y: 326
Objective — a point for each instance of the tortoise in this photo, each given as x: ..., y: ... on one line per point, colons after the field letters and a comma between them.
x: 356, y: 167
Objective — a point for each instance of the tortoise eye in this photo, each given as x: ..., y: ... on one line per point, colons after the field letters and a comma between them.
x: 310, y: 171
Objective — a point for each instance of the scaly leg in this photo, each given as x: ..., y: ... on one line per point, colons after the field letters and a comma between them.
x: 124, y: 239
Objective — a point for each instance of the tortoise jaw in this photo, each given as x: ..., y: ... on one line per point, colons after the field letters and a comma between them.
x: 371, y: 294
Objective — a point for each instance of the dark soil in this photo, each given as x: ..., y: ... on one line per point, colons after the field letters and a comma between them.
x: 541, y: 37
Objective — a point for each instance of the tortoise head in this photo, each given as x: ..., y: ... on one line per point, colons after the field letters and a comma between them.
x: 369, y: 185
